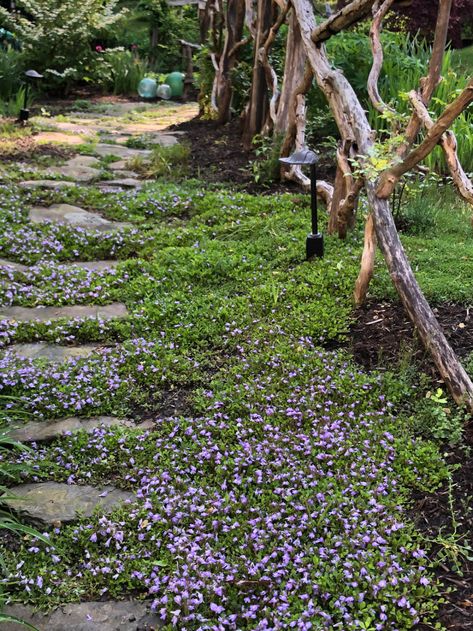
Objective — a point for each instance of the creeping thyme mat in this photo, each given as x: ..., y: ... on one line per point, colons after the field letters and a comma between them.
x: 276, y: 498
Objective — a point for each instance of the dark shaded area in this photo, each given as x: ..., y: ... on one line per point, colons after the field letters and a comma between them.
x: 218, y: 157
x: 447, y: 517
x: 382, y: 335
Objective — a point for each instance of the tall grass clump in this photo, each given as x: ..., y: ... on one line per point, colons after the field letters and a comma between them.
x: 12, y: 90
x: 406, y: 60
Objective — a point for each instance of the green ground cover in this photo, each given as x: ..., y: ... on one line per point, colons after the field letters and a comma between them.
x: 276, y: 498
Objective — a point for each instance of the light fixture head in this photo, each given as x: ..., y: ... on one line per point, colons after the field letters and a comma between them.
x: 302, y: 157
x: 32, y: 74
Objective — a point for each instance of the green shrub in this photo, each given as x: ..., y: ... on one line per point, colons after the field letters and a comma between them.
x: 57, y: 35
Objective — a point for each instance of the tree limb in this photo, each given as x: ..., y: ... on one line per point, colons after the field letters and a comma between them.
x: 347, y: 16
x: 389, y: 178
x: 429, y: 83
x: 291, y: 129
x: 448, y: 142
x: 377, y: 51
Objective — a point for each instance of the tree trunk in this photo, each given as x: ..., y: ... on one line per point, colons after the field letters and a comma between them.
x: 235, y: 19
x: 259, y: 104
x: 204, y: 20
x: 432, y: 336
x: 293, y: 73
x: 153, y: 43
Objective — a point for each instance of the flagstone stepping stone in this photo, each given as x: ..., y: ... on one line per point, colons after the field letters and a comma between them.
x: 48, y: 430
x: 78, y: 169
x: 52, y: 352
x: 76, y: 173
x: 165, y: 140
x: 120, y: 165
x: 51, y: 184
x: 84, y: 161
x: 92, y: 266
x: 15, y: 267
x: 120, y: 151
x: 73, y: 216
x: 44, y: 314
x: 52, y: 137
x: 126, y: 175
x: 127, y: 182
x: 50, y: 502
x: 91, y: 616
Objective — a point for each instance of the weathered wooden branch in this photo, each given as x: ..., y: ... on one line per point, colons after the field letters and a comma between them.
x: 429, y: 83
x: 271, y: 77
x: 377, y: 51
x: 347, y: 16
x: 345, y: 195
x: 448, y: 142
x: 294, y: 65
x: 222, y: 89
x: 238, y: 45
x: 258, y: 108
x: 367, y: 262
x: 389, y: 178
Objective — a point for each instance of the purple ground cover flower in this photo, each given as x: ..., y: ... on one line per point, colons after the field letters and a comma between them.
x: 277, y: 519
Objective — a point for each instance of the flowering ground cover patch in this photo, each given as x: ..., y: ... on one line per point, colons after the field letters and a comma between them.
x: 278, y: 499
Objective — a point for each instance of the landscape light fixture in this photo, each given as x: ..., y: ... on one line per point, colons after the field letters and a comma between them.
x: 31, y: 75
x: 315, y: 240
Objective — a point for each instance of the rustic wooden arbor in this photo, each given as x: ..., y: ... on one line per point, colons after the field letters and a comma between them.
x: 283, y: 109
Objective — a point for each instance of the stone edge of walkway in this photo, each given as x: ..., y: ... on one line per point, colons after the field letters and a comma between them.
x: 111, y: 615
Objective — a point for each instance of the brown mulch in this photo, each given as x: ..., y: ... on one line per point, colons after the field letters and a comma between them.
x: 218, y: 156
x: 383, y: 336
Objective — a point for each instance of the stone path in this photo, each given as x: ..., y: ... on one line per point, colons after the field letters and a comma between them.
x: 46, y: 314
x: 54, y: 137
x: 49, y: 502
x: 74, y: 216
x: 90, y: 616
x: 52, y: 352
x: 49, y: 430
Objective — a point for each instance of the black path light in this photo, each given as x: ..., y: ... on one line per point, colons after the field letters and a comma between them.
x: 315, y: 240
x: 31, y: 75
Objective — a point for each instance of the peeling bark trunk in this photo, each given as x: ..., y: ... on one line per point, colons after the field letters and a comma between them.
x: 293, y: 74
x: 367, y: 262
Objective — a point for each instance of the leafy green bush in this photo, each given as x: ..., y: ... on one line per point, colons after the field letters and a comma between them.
x: 12, y: 90
x: 57, y: 35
